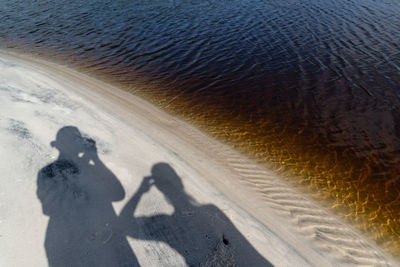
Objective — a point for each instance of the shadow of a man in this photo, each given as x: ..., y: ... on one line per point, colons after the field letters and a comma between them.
x: 76, y: 192
x: 202, y: 234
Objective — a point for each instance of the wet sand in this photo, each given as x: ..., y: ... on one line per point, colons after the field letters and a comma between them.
x: 214, y: 189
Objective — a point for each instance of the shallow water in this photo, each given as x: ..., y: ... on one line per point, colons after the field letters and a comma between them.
x: 311, y: 89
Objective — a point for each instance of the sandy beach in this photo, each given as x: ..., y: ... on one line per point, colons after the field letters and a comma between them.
x: 95, y: 176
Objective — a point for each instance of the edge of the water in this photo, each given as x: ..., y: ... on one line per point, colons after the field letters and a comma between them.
x: 245, y: 175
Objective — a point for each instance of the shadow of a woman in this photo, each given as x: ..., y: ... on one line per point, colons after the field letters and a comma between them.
x: 76, y: 192
x: 202, y: 234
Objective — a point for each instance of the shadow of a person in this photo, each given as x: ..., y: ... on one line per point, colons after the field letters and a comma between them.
x: 202, y: 234
x: 76, y: 192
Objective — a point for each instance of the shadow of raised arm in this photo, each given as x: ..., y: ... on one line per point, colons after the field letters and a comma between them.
x: 127, y: 220
x: 101, y: 175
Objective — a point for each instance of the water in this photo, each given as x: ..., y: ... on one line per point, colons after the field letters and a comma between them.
x: 310, y: 89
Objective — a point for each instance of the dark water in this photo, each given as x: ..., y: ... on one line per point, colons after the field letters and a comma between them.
x: 309, y: 88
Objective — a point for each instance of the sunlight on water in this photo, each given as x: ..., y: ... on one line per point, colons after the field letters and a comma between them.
x: 346, y: 184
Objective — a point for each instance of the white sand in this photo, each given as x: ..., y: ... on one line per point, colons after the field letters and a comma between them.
x: 203, y: 195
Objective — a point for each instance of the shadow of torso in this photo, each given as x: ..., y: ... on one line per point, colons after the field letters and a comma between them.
x: 202, y: 234
x: 82, y: 228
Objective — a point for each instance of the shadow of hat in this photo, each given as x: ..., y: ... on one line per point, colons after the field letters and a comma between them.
x: 67, y: 135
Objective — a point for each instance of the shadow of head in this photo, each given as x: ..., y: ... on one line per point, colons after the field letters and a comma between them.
x: 70, y: 141
x: 167, y: 181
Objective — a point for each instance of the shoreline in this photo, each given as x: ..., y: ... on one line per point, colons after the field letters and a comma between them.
x: 291, y: 223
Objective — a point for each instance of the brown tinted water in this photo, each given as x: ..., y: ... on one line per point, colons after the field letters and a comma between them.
x: 309, y: 89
